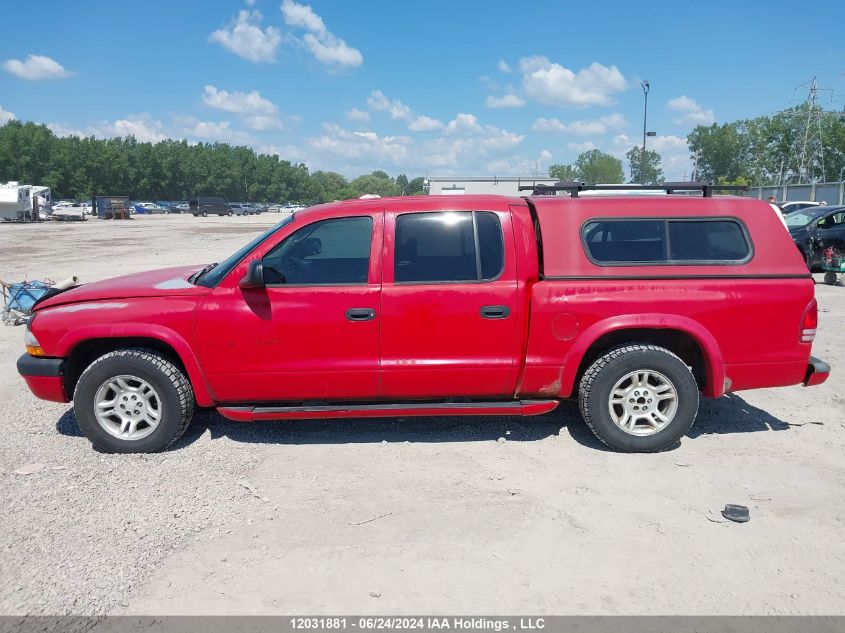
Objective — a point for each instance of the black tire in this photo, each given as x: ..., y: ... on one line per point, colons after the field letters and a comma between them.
x: 601, y: 377
x: 230, y: 213
x: 204, y: 214
x: 830, y: 277
x: 176, y: 399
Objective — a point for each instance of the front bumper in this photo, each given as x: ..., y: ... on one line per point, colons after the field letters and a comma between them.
x: 44, y: 377
x: 817, y: 372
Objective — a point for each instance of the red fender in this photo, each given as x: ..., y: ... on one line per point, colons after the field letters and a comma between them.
x: 710, y: 349
x: 75, y: 336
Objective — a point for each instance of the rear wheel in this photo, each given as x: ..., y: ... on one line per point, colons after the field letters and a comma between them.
x: 133, y: 401
x: 204, y: 214
x: 639, y: 398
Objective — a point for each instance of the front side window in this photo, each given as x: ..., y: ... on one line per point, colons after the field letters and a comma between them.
x: 335, y: 251
x: 624, y: 242
x: 832, y: 221
x: 448, y: 246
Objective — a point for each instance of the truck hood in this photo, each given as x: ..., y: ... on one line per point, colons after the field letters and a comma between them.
x: 166, y: 282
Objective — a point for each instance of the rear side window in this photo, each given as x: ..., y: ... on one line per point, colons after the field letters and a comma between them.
x: 448, y: 246
x: 623, y: 242
x: 707, y: 241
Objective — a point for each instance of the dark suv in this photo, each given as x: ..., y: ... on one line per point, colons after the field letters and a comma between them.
x: 208, y: 205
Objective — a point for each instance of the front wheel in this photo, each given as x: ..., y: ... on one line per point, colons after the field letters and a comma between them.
x: 133, y: 401
x: 639, y: 398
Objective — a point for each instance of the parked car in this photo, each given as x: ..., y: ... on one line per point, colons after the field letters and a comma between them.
x: 209, y: 205
x: 798, y: 205
x: 245, y: 208
x: 443, y: 305
x: 149, y: 207
x: 816, y: 228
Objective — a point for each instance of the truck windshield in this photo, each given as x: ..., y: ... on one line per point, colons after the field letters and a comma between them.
x: 215, y: 275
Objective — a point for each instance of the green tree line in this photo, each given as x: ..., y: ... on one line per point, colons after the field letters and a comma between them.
x: 76, y: 167
x: 768, y: 149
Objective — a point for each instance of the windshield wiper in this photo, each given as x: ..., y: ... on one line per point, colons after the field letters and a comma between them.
x: 197, y: 276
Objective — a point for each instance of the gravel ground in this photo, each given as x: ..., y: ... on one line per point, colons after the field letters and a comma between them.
x: 399, y: 516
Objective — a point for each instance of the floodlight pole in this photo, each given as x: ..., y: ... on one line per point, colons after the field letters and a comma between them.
x: 645, y: 85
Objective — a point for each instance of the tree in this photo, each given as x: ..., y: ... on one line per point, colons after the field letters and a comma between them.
x: 416, y: 186
x: 566, y: 173
x: 75, y: 167
x: 719, y: 151
x: 594, y: 167
x: 648, y: 172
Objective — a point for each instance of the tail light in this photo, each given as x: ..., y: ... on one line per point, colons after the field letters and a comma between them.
x: 810, y: 322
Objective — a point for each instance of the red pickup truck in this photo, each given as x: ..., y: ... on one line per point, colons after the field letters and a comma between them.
x: 444, y: 305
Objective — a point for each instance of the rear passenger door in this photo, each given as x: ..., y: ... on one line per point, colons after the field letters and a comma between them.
x: 449, y: 305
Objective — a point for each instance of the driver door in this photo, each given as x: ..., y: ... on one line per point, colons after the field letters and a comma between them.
x: 312, y: 333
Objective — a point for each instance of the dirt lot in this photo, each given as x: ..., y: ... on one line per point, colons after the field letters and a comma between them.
x: 409, y: 516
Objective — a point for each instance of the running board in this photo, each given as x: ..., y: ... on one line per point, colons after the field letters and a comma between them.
x: 515, y: 407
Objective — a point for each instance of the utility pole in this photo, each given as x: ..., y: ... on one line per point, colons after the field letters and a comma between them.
x: 645, y: 85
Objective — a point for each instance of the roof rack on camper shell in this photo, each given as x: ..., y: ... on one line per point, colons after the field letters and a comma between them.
x: 574, y: 187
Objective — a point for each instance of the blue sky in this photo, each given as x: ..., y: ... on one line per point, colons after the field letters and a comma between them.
x: 434, y: 88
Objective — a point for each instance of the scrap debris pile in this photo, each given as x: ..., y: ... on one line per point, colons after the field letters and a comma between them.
x: 19, y: 297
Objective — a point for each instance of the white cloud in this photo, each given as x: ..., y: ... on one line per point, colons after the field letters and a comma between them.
x: 291, y: 153
x: 258, y: 113
x: 586, y: 146
x: 690, y: 112
x: 522, y: 166
x: 303, y: 16
x: 590, y: 127
x: 237, y: 102
x: 6, y: 116
x: 245, y: 37
x: 667, y: 143
x: 378, y: 102
x: 330, y: 49
x: 358, y: 116
x: 144, y: 129
x: 214, y: 131
x: 263, y: 122
x: 338, y: 141
x: 504, y: 66
x: 36, y: 67
x: 63, y: 129
x: 326, y: 47
x: 142, y: 126
x: 552, y: 84
x: 424, y: 123
x: 464, y: 123
x: 505, y: 101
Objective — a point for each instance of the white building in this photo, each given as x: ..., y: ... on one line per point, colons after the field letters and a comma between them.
x: 504, y: 186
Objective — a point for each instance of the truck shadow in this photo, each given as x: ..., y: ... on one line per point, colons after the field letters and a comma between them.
x: 728, y: 414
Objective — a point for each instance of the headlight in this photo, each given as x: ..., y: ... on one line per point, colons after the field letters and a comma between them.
x: 33, y: 347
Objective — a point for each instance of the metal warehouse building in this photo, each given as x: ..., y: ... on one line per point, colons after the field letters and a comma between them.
x: 457, y: 185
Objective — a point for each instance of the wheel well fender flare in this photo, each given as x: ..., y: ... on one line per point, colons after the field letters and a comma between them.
x: 77, y: 336
x: 712, y: 355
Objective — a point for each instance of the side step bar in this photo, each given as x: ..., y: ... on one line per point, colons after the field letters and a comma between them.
x: 515, y: 407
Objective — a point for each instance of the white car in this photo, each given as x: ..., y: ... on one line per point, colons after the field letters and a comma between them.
x: 797, y: 205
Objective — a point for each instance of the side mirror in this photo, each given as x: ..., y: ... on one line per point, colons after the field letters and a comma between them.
x: 254, y: 277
